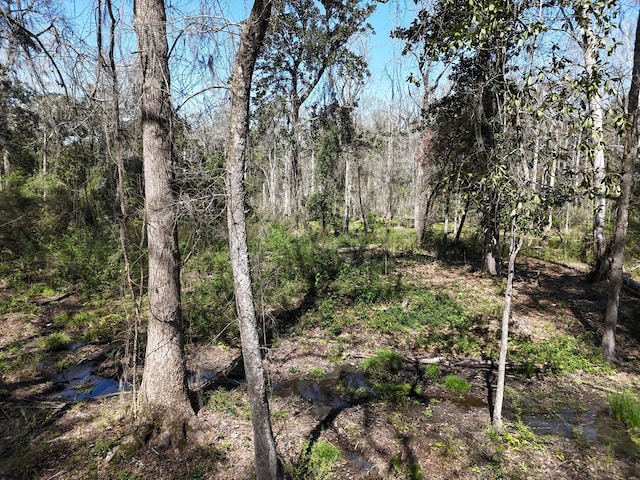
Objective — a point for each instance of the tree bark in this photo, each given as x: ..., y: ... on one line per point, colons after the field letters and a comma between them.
x: 618, y: 241
x: 515, y: 246
x: 346, y: 219
x: 252, y: 36
x: 596, y: 115
x: 490, y: 251
x: 163, y: 397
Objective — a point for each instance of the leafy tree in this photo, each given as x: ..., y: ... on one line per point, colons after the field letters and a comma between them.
x: 478, y: 39
x: 307, y: 37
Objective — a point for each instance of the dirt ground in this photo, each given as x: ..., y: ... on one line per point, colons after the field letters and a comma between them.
x: 557, y: 426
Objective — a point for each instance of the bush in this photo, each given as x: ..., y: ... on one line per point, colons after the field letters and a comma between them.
x: 208, y: 306
x: 560, y: 354
x: 289, y: 265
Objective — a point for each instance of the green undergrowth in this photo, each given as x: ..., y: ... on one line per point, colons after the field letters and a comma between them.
x: 384, y: 363
x: 57, y: 341
x: 97, y: 320
x: 563, y: 353
x: 207, y: 297
x: 456, y: 384
x: 317, y: 462
x: 556, y: 247
x: 626, y: 408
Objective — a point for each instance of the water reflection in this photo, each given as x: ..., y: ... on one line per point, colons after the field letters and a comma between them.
x: 79, y: 383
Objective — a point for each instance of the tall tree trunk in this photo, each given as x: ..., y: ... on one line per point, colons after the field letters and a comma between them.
x: 292, y: 169
x: 253, y: 31
x: 552, y: 184
x: 420, y: 190
x: 629, y: 158
x: 364, y: 214
x: 491, y: 242
x: 388, y: 206
x: 596, y: 114
x: 115, y: 152
x: 514, y: 248
x: 163, y: 397
x: 346, y: 220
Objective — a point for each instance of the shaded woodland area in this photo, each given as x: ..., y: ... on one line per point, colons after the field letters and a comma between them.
x: 231, y: 248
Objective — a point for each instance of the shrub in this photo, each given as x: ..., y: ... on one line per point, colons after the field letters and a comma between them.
x: 560, y: 354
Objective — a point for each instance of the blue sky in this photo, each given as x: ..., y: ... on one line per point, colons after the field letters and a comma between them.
x: 388, y: 67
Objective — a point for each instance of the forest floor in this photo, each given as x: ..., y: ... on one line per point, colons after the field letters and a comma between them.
x: 403, y: 420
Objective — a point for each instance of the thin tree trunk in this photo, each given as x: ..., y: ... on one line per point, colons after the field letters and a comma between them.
x: 490, y: 252
x: 463, y: 218
x: 163, y: 398
x: 347, y: 193
x: 630, y: 155
x: 114, y: 147
x: 268, y: 466
x: 364, y: 214
x: 552, y: 184
x: 292, y: 169
x: 388, y: 209
x: 514, y: 248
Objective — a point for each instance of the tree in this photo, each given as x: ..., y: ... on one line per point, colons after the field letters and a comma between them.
x: 251, y: 38
x: 590, y: 15
x: 629, y: 158
x: 304, y: 40
x: 515, y: 244
x: 163, y: 396
x: 479, y: 40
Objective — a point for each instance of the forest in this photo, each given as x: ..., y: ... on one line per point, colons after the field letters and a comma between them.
x: 319, y: 239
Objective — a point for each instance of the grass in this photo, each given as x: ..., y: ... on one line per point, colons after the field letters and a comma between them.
x: 520, y: 436
x: 563, y: 353
x: 626, y: 408
x: 57, y: 342
x: 232, y: 403
x: 322, y: 457
x: 385, y: 362
x: 316, y: 463
x: 456, y: 384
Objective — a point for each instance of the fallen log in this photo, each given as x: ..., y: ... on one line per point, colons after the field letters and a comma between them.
x: 478, y: 363
x: 632, y: 286
x: 359, y: 248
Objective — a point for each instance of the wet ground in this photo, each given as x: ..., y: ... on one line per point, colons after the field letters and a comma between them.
x: 63, y: 417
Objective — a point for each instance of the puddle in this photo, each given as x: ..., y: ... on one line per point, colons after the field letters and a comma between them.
x: 357, y: 462
x: 79, y: 383
x: 588, y: 426
x: 343, y: 389
x: 335, y: 391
